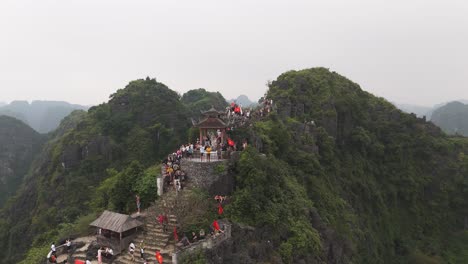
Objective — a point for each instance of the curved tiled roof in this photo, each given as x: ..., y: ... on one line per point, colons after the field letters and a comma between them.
x: 211, y: 122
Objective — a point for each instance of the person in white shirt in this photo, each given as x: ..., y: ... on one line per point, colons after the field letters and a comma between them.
x: 202, y: 152
x: 68, y: 244
x: 52, y: 247
x: 131, y: 249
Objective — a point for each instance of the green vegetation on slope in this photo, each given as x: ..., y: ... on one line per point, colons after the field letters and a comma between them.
x: 18, y: 145
x: 104, y: 153
x: 391, y: 185
x: 201, y: 100
x: 362, y: 183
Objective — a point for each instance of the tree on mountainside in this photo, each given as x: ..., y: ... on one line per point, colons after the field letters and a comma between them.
x: 201, y: 100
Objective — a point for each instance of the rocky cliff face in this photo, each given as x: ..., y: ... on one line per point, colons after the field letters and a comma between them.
x: 18, y: 145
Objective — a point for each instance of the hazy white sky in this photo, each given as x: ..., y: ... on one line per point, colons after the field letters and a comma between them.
x: 81, y: 51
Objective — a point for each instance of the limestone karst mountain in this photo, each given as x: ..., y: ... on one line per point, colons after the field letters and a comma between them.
x: 332, y: 175
x: 18, y: 146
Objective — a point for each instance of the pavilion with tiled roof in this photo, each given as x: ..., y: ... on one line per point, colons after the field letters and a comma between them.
x: 211, y: 121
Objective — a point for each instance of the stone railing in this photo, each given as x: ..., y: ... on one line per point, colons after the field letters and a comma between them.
x: 207, y: 243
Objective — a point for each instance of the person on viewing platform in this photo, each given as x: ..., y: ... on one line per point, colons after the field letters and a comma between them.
x: 208, y: 153
x: 202, y: 152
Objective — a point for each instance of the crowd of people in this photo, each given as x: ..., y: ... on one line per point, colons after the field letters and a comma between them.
x: 172, y: 173
x: 237, y: 116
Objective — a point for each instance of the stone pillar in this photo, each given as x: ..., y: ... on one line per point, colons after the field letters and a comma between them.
x: 174, y: 258
x: 160, y: 182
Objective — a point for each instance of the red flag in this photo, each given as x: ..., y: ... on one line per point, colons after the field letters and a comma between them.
x: 159, y: 257
x: 176, y: 237
x: 231, y: 142
x: 220, y: 209
x: 216, y: 225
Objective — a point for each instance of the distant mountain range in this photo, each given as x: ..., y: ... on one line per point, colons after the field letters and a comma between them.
x: 421, y: 111
x: 42, y: 116
x: 244, y: 101
x: 452, y: 117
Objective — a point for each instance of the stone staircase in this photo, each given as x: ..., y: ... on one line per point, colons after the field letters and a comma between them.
x: 153, y: 236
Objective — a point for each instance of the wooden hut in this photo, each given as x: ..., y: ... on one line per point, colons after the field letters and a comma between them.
x: 116, y: 230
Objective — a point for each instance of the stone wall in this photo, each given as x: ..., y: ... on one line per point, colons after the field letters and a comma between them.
x: 211, y: 176
x: 208, y: 243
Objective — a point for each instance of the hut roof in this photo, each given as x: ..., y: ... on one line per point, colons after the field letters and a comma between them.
x: 115, y: 222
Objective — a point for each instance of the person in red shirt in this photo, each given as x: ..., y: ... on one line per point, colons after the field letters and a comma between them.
x: 159, y: 258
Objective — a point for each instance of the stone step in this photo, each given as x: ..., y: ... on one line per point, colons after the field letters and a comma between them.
x: 140, y: 261
x: 152, y: 242
x: 158, y: 234
x: 158, y: 227
x: 80, y: 255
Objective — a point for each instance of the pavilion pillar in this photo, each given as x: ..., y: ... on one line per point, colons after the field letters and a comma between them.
x: 223, y: 133
x: 201, y: 135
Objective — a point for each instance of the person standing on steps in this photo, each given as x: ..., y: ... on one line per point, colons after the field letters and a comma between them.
x: 142, y: 250
x: 159, y: 258
x: 131, y: 250
x: 138, y: 203
x: 99, y: 255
